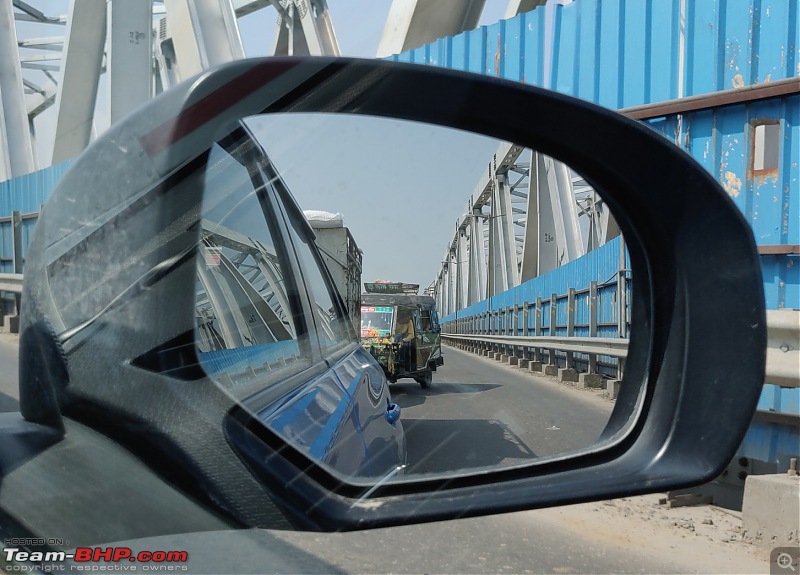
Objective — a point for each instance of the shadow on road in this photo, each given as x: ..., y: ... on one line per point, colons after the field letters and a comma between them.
x: 436, y: 446
x: 410, y: 394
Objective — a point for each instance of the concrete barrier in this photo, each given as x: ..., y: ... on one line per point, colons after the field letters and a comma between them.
x: 568, y: 374
x: 551, y: 370
x: 591, y: 380
x: 612, y: 388
x: 513, y: 360
x: 535, y: 366
x: 771, y: 508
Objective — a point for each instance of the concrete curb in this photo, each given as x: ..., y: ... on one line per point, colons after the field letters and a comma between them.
x: 771, y: 509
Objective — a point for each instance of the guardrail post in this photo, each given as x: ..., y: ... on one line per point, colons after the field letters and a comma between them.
x: 507, y: 328
x: 513, y: 328
x: 485, y: 331
x: 593, y: 323
x: 570, y: 324
x: 622, y: 294
x: 525, y: 328
x: 18, y: 261
x: 551, y: 353
x: 493, y: 331
x: 537, y: 328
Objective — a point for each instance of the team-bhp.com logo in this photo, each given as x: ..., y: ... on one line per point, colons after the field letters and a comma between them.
x: 94, y: 559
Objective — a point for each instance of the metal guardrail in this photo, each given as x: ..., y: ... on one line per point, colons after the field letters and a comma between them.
x: 783, y: 346
x: 610, y: 346
x: 11, y: 283
x: 783, y: 343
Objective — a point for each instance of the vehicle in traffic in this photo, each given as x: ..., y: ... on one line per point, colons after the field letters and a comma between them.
x: 342, y: 257
x: 402, y: 332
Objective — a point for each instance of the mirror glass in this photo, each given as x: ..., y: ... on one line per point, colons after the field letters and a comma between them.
x: 399, y: 299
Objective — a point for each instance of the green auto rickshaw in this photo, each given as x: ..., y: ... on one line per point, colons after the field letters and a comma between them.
x: 401, y: 331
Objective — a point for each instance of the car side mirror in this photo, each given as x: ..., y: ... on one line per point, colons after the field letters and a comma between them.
x: 113, y: 273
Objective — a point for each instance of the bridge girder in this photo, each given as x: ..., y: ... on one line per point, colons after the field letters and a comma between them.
x: 507, y: 244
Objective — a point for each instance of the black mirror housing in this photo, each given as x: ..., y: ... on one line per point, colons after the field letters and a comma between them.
x: 698, y: 317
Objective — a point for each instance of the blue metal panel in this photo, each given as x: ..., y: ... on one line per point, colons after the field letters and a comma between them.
x: 24, y: 194
x: 27, y: 193
x: 730, y: 165
x: 778, y: 399
x: 27, y: 228
x: 532, y: 46
x: 611, y: 54
x: 772, y: 56
x: 420, y: 55
x: 513, y: 50
x: 771, y: 442
x: 476, y: 48
x: 458, y: 55
x: 703, y: 55
x: 664, y: 45
x: 588, y: 66
x: 767, y: 191
x: 599, y: 265
x: 774, y: 442
x: 636, y: 51
x: 722, y: 141
x: 702, y: 144
x: 616, y: 53
x: 565, y: 41
x: 790, y: 170
x: 736, y: 43
x: 781, y: 279
x: 494, y: 64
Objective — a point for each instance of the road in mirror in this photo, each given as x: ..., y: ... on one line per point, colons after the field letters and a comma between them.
x: 485, y: 283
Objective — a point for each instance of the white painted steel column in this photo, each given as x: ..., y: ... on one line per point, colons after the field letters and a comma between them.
x: 205, y: 33
x: 318, y: 29
x: 304, y: 28
x: 565, y: 215
x: 452, y: 281
x: 477, y: 259
x: 530, y: 244
x: 445, y: 290
x: 462, y: 270
x: 81, y: 64
x: 130, y: 58
x: 414, y: 23
x: 503, y: 270
x: 437, y: 294
x: 16, y: 146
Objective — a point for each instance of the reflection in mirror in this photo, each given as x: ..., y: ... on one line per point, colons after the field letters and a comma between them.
x: 434, y: 302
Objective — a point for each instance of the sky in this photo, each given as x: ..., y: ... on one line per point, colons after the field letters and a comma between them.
x: 400, y: 186
x: 414, y: 189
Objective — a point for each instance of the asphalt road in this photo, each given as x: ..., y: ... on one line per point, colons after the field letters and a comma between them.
x: 480, y: 413
x: 623, y: 536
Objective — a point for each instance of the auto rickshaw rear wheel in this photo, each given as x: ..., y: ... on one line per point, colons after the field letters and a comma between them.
x: 425, y: 379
